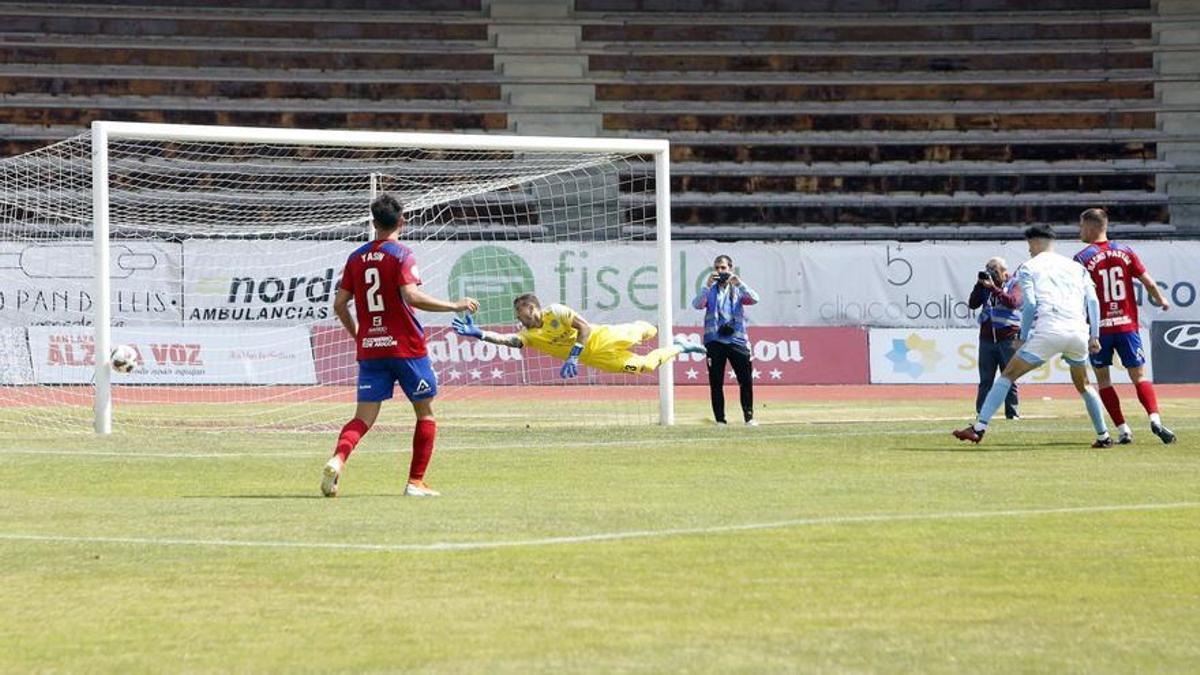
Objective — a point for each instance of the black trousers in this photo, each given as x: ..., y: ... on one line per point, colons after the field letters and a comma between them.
x: 993, y: 358
x: 739, y: 357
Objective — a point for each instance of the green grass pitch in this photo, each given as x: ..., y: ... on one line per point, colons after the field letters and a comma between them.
x: 838, y: 536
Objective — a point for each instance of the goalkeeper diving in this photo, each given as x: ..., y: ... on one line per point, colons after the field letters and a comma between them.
x: 559, y: 331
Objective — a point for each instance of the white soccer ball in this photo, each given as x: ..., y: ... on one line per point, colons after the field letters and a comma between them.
x: 123, y: 358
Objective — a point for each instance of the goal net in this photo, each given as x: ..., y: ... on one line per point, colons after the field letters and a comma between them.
x: 220, y: 250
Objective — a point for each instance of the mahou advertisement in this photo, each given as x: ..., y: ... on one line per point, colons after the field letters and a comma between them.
x: 781, y: 355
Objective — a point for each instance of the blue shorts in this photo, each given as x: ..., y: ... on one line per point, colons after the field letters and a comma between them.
x: 1128, y: 345
x: 376, y: 378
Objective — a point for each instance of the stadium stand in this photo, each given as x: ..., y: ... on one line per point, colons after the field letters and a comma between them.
x: 798, y: 119
x: 304, y: 64
x: 869, y: 120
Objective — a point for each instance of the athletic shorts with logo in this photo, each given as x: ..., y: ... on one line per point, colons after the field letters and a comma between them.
x: 377, y: 377
x: 1040, y: 347
x: 1128, y: 345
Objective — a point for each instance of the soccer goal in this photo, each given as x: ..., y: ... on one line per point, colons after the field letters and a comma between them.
x: 215, y: 252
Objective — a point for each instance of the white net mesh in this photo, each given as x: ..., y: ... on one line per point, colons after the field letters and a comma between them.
x: 225, y: 257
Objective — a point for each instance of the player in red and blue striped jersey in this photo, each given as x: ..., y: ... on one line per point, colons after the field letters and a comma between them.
x: 1113, y: 267
x: 381, y: 277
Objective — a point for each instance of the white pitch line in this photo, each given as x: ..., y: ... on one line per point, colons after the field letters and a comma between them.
x: 599, y: 537
x: 752, y: 436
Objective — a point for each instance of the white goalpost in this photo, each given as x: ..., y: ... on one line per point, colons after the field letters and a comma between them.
x: 214, y: 252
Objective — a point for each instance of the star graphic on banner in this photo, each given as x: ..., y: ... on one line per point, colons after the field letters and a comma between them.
x: 497, y: 373
x: 754, y: 374
x: 691, y: 373
x: 776, y: 374
x: 453, y: 374
x: 475, y: 374
x: 732, y: 375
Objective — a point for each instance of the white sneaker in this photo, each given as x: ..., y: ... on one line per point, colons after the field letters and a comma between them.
x: 751, y: 423
x: 721, y: 425
x: 422, y: 490
x: 689, y: 347
x: 330, y: 476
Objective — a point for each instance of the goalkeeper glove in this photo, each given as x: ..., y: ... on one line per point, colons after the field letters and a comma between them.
x: 466, y: 327
x: 571, y: 367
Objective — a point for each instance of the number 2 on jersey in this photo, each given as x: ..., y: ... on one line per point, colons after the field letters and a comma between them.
x: 374, y: 297
x: 1113, y: 280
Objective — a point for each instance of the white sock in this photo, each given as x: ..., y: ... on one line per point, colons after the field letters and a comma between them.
x: 980, y: 426
x: 1102, y: 436
x: 1124, y: 429
x: 1155, y: 419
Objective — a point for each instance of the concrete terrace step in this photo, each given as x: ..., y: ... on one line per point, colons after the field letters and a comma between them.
x: 732, y: 78
x: 602, y: 18
x: 957, y: 168
x: 256, y: 104
x: 852, y: 18
x: 899, y: 199
x: 871, y: 137
x: 102, y: 41
x: 691, y: 108
x: 892, y: 231
x: 947, y: 48
x: 164, y: 10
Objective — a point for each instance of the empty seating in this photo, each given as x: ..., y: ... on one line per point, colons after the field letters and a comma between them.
x: 815, y: 119
x: 355, y: 64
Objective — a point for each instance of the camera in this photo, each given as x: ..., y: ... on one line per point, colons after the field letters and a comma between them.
x: 722, y: 277
x: 725, y: 330
x: 984, y: 276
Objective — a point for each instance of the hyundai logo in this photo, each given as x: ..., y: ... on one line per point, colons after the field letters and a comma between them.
x: 1185, y: 337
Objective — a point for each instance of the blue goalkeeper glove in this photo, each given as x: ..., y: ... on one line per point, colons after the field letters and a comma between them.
x: 571, y: 367
x: 466, y: 327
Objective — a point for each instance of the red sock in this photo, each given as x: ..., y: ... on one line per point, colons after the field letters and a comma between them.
x: 351, y: 434
x: 1112, y: 404
x: 422, y: 448
x: 1145, y: 392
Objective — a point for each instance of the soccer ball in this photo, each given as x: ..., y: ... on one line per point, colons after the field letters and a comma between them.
x: 123, y: 358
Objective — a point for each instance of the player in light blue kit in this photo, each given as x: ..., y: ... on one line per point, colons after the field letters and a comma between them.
x: 1061, y: 315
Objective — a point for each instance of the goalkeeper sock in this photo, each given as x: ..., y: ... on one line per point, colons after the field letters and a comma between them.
x: 1145, y: 392
x: 1095, y: 411
x: 995, y: 397
x: 1112, y: 404
x: 422, y: 448
x: 351, y: 434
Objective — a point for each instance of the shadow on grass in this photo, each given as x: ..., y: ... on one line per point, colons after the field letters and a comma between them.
x: 388, y: 495
x: 993, y: 447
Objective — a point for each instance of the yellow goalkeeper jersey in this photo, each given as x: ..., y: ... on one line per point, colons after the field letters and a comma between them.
x: 556, y: 335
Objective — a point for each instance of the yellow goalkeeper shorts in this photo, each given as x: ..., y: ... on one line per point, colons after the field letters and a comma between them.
x: 608, y: 347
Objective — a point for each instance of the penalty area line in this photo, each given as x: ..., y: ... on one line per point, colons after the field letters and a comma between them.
x: 598, y: 537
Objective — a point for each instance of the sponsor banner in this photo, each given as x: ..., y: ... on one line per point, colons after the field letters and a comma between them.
x: 292, y: 282
x: 927, y: 284
x: 1176, y: 351
x: 892, y: 284
x: 782, y: 355
x: 939, y: 356
x: 456, y: 360
x: 15, y: 367
x: 788, y: 355
x: 66, y: 355
x: 287, y: 282
x: 53, y: 282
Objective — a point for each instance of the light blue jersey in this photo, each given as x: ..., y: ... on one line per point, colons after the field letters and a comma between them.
x: 1057, y: 292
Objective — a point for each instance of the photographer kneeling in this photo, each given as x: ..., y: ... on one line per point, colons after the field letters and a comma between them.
x: 998, y: 299
x: 723, y: 299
